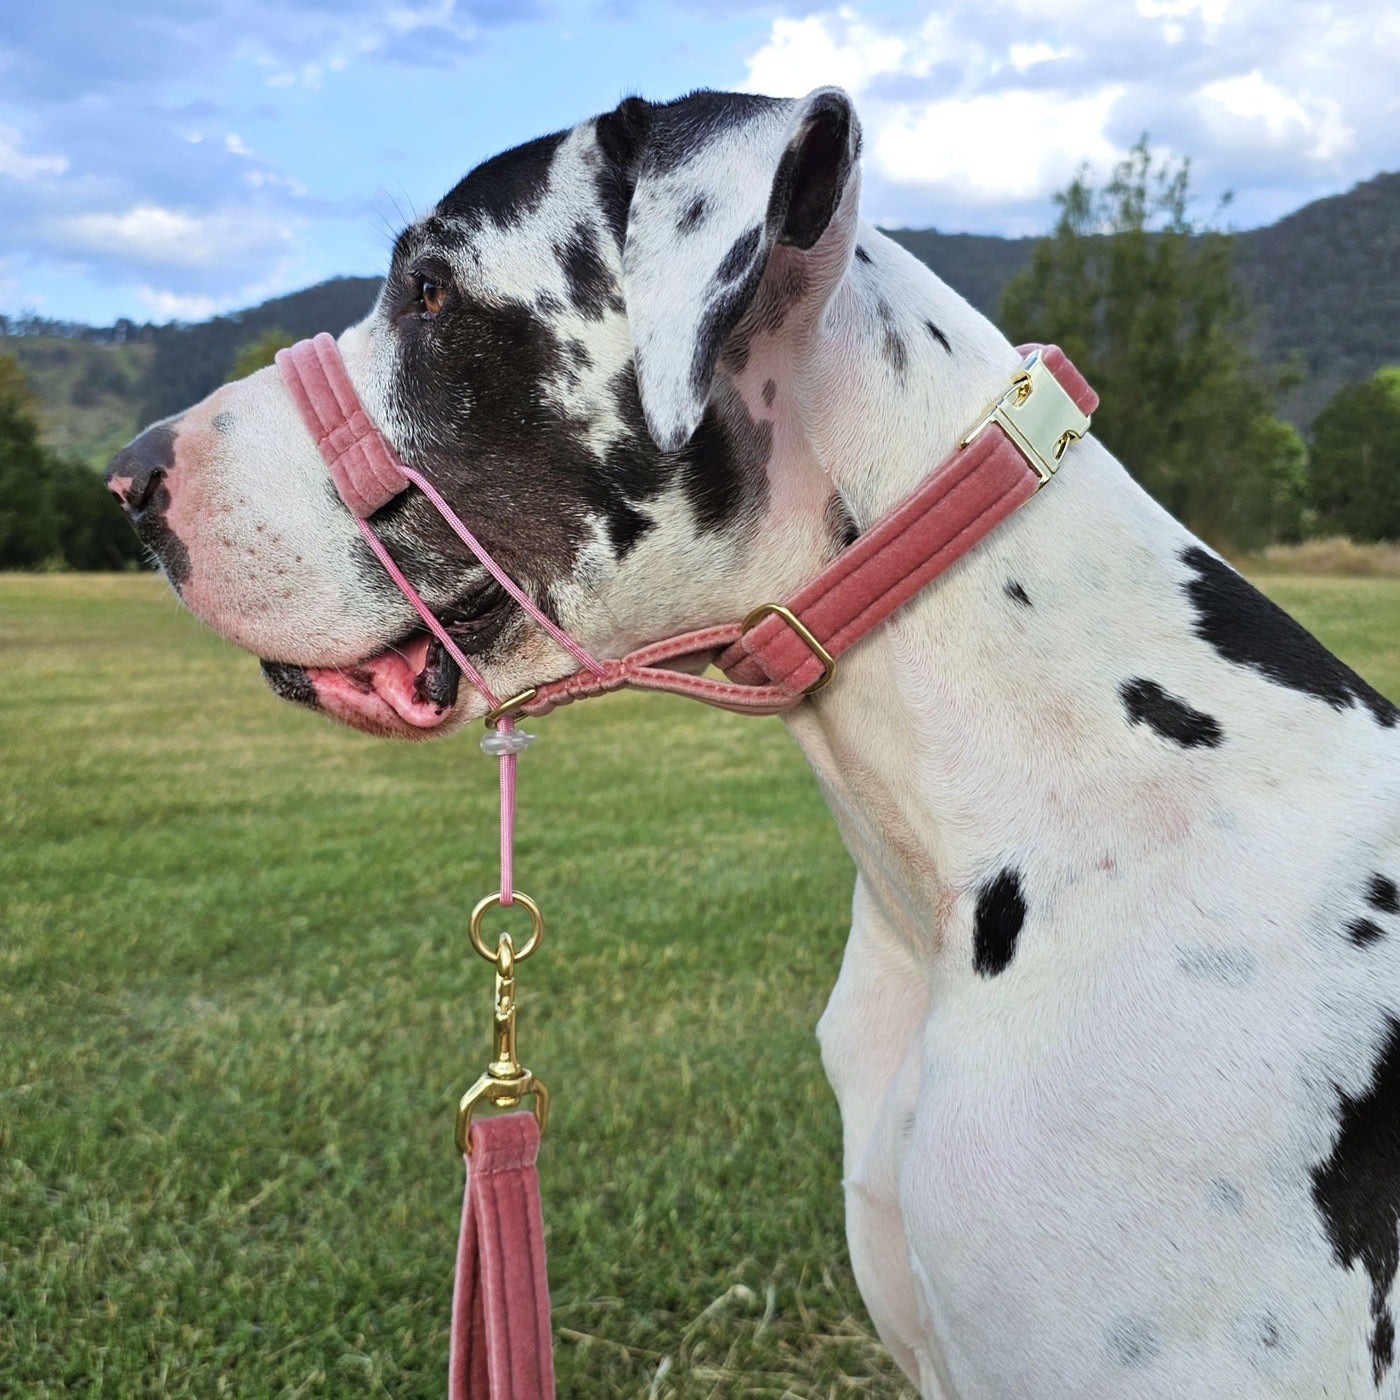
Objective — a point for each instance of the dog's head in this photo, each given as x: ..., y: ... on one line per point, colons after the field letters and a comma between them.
x: 599, y: 347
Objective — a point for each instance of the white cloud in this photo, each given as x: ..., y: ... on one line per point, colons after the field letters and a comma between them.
x: 173, y: 306
x: 976, y: 114
x: 1250, y: 106
x: 18, y: 166
x: 996, y: 147
x: 803, y: 53
x: 235, y: 145
x: 150, y: 235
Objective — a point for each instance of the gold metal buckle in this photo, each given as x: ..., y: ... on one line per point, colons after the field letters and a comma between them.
x: 813, y: 645
x: 514, y: 703
x: 1038, y: 416
x: 506, y: 1081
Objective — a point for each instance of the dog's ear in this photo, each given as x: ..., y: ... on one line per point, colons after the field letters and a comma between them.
x: 712, y: 184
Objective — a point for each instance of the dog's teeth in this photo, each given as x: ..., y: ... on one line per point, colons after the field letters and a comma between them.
x: 436, y: 683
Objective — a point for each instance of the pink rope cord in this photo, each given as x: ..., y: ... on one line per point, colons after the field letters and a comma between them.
x: 499, y: 574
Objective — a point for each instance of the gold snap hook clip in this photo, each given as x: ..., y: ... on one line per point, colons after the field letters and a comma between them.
x: 506, y: 1082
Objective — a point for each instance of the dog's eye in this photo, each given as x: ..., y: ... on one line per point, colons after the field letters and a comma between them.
x: 433, y: 296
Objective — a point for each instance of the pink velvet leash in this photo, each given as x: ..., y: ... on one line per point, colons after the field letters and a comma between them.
x: 501, y: 1347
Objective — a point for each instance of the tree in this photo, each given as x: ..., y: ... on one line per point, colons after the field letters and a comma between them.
x: 259, y: 353
x: 52, y: 511
x: 1146, y: 303
x: 1356, y: 458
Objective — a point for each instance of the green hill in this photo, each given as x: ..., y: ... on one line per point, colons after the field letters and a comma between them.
x: 1325, y: 282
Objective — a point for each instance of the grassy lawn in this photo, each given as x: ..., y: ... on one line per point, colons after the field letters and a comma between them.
x: 238, y: 1005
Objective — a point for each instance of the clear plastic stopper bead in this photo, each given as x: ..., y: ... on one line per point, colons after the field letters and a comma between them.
x: 503, y: 741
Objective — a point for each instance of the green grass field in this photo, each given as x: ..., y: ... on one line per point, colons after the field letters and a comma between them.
x: 238, y: 1005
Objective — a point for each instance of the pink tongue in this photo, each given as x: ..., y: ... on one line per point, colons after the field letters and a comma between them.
x: 378, y: 690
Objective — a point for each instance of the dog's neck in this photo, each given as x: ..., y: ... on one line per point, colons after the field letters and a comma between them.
x: 979, y: 727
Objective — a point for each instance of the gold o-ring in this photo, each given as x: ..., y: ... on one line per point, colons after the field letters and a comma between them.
x: 490, y: 902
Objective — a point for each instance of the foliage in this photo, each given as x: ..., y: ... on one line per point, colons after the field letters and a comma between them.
x: 1146, y: 303
x: 53, y: 511
x: 1356, y: 458
x: 260, y: 352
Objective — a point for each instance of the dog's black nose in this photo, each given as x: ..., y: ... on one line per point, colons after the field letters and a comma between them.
x: 134, y: 473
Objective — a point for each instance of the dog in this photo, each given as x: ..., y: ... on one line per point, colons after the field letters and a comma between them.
x: 1116, y: 1036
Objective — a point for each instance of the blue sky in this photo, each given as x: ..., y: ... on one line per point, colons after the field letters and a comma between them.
x: 169, y: 159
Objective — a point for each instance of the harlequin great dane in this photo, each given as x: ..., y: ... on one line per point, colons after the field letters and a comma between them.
x: 1116, y: 1038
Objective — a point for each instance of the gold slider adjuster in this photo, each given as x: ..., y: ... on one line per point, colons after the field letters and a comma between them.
x: 514, y: 703
x: 805, y: 635
x: 1038, y: 415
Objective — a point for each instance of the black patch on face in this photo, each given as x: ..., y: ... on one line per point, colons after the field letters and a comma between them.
x: 723, y: 463
x: 938, y: 336
x: 1363, y: 931
x: 473, y: 404
x: 770, y: 392
x: 1383, y: 895
x: 592, y: 287
x: 696, y: 212
x: 505, y: 188
x: 1147, y: 703
x: 862, y: 255
x: 1001, y: 910
x: 1357, y: 1191
x: 289, y: 682
x: 1246, y: 629
x: 1018, y: 594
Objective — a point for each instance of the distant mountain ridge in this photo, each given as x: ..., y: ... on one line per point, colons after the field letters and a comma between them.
x: 1325, y: 282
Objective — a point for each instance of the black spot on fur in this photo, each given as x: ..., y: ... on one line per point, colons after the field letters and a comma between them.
x: 738, y: 260
x: 1001, y: 911
x: 1132, y: 1342
x: 592, y: 287
x: 770, y: 392
x: 1247, y: 629
x: 505, y: 188
x: 680, y: 130
x: 1357, y: 1191
x: 895, y: 351
x: 694, y: 216
x: 938, y: 336
x: 1384, y: 895
x: 1147, y: 703
x: 290, y: 683
x: 1363, y: 931
x: 735, y: 288
x: 621, y: 135
x: 839, y: 523
x: 723, y: 463
x: 862, y: 255
x: 1016, y: 592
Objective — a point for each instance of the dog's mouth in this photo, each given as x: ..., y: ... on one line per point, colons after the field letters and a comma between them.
x: 407, y: 691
